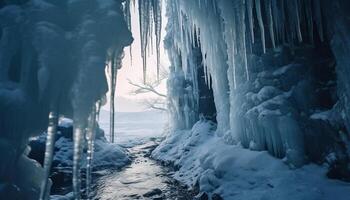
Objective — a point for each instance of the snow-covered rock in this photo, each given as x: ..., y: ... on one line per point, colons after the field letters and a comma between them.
x: 203, y: 159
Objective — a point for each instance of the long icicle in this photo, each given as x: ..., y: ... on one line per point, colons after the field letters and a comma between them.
x: 113, y: 70
x: 244, y: 39
x: 144, y: 19
x: 268, y: 7
x: 78, y: 139
x: 250, y: 18
x: 90, y: 138
x: 157, y: 16
x: 50, y: 144
x: 261, y: 23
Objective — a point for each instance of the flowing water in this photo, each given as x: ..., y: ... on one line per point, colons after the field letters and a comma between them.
x: 143, y: 179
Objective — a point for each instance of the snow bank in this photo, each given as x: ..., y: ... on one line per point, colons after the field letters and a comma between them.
x: 106, y: 155
x: 204, y: 159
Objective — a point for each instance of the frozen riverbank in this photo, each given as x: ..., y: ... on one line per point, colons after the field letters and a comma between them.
x: 205, y: 160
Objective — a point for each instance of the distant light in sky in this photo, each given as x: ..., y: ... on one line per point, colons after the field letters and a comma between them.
x: 133, y: 69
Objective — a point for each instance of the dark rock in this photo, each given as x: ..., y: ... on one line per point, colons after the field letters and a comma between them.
x: 100, y: 134
x: 153, y: 192
x: 10, y: 191
x: 66, y: 132
x: 216, y: 197
x: 37, y: 151
x: 201, y: 196
x: 339, y: 170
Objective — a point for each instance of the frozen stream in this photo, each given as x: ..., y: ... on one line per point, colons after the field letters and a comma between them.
x: 143, y: 179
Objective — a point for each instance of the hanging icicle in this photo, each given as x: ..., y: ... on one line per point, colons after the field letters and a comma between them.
x: 318, y: 18
x: 261, y: 23
x: 268, y: 8
x: 90, y: 138
x: 250, y: 4
x: 49, y: 149
x: 113, y: 83
x: 127, y: 13
x: 157, y: 16
x: 78, y: 136
x: 150, y: 17
x: 144, y: 19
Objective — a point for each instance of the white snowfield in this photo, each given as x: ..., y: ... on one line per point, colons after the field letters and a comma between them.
x: 236, y: 173
x: 134, y: 128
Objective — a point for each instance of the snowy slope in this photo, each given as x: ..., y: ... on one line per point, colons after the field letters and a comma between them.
x: 236, y: 173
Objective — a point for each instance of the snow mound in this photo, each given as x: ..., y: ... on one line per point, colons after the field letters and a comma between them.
x: 204, y: 159
x: 106, y: 154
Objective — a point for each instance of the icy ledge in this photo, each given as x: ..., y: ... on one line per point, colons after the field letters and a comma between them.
x: 203, y: 159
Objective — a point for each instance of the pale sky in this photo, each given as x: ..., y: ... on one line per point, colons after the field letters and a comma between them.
x: 133, y: 70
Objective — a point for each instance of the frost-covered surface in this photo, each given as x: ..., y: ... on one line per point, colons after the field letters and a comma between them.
x: 233, y: 172
x: 270, y: 66
x: 53, y: 57
x: 106, y: 155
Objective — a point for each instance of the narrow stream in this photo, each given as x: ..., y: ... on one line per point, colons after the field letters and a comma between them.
x: 143, y: 179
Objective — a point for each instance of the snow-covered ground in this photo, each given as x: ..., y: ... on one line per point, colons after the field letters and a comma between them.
x: 241, y: 174
x: 133, y: 128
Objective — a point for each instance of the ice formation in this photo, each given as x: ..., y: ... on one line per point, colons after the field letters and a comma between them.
x: 268, y: 65
x: 263, y: 70
x: 150, y: 16
x: 53, y: 58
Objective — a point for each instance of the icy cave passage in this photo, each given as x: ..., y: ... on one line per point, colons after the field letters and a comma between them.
x: 258, y: 100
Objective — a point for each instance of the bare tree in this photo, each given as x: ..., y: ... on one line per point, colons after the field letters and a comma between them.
x: 159, y: 102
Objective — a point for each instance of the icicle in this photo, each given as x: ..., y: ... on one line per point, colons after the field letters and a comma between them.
x: 310, y: 23
x: 157, y: 16
x: 78, y: 139
x: 250, y: 18
x: 318, y: 18
x: 244, y: 39
x: 50, y: 144
x: 90, y: 138
x: 144, y: 18
x: 127, y: 11
x: 112, y: 97
x: 277, y: 20
x: 114, y: 70
x: 270, y: 21
x: 297, y: 23
x: 282, y: 21
x: 234, y: 66
x: 261, y: 23
x: 130, y: 53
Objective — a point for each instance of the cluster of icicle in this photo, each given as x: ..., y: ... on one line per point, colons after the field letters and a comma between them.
x: 78, y: 134
x: 239, y: 21
x: 229, y: 30
x: 150, y: 18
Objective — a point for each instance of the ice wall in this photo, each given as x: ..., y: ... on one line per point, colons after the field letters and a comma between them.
x: 53, y: 56
x: 274, y: 67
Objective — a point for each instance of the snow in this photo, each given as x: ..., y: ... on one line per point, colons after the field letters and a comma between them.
x: 240, y: 174
x: 134, y: 128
